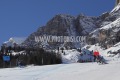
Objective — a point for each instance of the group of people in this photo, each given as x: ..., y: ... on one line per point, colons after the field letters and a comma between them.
x: 98, y: 58
x: 92, y: 56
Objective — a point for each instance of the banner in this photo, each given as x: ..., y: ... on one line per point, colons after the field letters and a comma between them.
x: 6, y: 58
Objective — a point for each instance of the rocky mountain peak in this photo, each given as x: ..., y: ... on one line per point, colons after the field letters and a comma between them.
x: 81, y: 25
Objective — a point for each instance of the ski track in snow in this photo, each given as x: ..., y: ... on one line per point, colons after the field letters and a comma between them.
x: 75, y: 71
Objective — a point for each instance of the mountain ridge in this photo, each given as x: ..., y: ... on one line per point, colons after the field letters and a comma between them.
x: 67, y: 25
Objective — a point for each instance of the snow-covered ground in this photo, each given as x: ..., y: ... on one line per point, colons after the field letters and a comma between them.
x: 73, y: 71
x: 76, y: 71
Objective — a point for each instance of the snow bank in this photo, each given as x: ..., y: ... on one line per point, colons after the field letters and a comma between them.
x: 70, y: 56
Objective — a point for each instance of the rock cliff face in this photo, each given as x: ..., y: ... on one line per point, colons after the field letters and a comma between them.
x: 64, y: 25
x: 117, y: 2
x: 109, y: 33
x: 104, y: 29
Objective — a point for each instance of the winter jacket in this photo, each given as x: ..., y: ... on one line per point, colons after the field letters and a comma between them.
x: 96, y: 53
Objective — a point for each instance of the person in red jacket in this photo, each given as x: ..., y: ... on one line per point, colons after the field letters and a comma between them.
x: 96, y: 55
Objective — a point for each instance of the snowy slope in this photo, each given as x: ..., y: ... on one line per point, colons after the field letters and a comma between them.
x: 106, y: 52
x: 74, y: 56
x: 112, y: 21
x: 115, y: 48
x: 115, y: 26
x: 70, y: 56
x: 79, y: 71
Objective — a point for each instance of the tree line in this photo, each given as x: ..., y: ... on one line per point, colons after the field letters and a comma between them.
x: 28, y: 56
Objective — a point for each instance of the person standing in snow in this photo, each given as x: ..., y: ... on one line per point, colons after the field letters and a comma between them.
x: 96, y: 55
